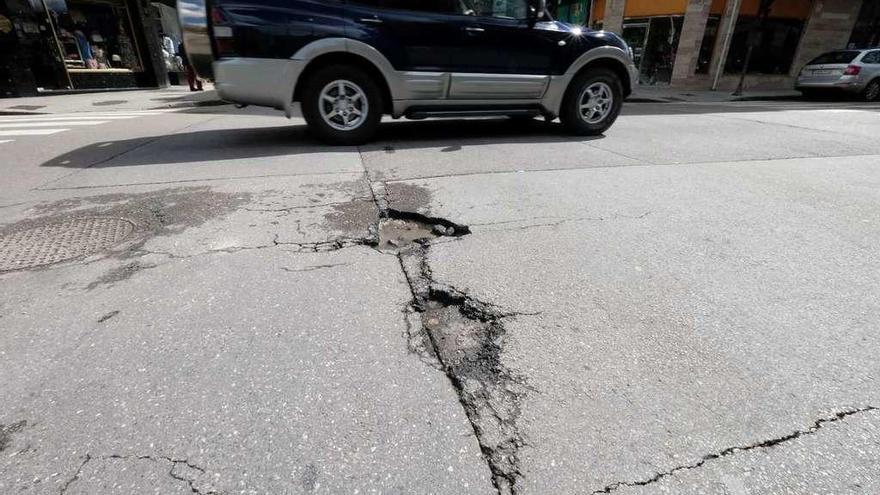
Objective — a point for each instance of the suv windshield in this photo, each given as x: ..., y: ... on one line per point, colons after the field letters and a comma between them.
x: 841, y: 57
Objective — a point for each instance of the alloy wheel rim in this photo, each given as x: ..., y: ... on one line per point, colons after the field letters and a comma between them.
x: 595, y: 103
x: 873, y: 90
x: 343, y: 105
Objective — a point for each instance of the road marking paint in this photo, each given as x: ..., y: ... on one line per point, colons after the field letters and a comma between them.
x: 50, y: 124
x: 6, y: 141
x: 60, y: 119
x: 30, y: 132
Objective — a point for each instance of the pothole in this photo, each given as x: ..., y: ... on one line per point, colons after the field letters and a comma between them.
x: 399, y: 229
x: 60, y: 241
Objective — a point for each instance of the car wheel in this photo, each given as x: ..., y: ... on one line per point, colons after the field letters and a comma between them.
x: 342, y: 105
x: 811, y: 94
x: 592, y: 102
x: 872, y: 91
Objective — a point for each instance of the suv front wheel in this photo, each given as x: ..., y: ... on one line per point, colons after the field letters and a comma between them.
x: 592, y: 102
x: 342, y: 105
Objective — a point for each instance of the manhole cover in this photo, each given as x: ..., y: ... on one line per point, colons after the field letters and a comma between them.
x: 60, y: 241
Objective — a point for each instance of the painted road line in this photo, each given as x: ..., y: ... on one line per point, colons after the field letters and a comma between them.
x: 6, y: 141
x: 63, y: 119
x: 30, y: 132
x: 50, y: 124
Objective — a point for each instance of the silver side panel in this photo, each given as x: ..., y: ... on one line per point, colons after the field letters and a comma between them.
x: 401, y: 106
x: 424, y: 85
x: 193, y: 16
x: 497, y: 86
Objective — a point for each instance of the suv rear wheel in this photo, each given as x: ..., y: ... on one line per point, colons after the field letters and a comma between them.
x: 342, y: 105
x: 592, y: 102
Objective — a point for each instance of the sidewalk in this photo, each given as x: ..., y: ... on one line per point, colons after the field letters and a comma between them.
x: 136, y: 99
x: 665, y: 94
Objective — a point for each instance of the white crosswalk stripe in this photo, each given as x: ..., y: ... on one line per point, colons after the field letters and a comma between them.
x: 68, y: 118
x: 4, y: 125
x: 30, y: 132
x: 33, y: 124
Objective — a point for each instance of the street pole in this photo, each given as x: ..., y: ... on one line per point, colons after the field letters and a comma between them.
x: 733, y: 13
x: 742, y: 76
x: 754, y: 37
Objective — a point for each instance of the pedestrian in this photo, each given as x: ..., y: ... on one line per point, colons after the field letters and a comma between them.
x: 195, y: 84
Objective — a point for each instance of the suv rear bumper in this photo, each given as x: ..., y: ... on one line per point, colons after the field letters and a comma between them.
x: 264, y: 82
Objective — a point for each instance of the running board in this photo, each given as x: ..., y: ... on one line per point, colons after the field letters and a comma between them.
x: 439, y: 112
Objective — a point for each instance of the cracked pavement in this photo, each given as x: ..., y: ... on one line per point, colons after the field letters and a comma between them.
x: 687, y: 305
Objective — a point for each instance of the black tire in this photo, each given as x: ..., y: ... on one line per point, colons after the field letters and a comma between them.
x: 570, y: 114
x: 812, y: 94
x: 872, y: 91
x: 312, y: 102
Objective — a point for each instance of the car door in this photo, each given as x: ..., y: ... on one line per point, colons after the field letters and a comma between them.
x: 414, y: 35
x: 509, y: 58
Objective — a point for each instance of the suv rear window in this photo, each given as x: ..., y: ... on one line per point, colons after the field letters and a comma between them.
x: 842, y: 57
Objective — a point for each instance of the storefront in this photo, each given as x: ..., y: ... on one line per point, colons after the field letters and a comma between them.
x: 68, y: 45
x: 705, y: 43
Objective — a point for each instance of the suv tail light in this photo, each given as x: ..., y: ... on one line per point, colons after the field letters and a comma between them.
x: 852, y: 70
x: 224, y: 40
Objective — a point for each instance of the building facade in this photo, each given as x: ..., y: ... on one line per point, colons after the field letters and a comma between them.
x: 702, y: 44
x: 51, y: 46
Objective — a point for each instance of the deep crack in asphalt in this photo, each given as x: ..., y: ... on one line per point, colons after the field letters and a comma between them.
x: 465, y: 337
x: 773, y: 442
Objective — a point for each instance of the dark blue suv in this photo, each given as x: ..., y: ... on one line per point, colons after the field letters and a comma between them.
x: 348, y: 62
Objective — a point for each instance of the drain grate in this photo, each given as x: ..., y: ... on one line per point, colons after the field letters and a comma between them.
x: 60, y: 241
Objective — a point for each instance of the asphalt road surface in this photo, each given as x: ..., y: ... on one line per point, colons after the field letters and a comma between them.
x: 210, y: 301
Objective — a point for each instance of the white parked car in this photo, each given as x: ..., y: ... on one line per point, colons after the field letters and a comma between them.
x: 853, y: 71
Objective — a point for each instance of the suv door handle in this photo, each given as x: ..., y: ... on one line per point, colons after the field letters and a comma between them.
x: 370, y: 20
x: 474, y: 29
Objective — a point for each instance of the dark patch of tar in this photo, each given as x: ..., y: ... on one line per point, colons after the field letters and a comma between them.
x: 407, y: 197
x: 155, y: 213
x: 309, y: 478
x: 109, y: 102
x: 108, y: 316
x: 6, y: 433
x: 162, y: 212
x: 118, y: 274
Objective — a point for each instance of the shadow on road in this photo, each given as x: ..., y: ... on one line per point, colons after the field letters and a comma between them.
x: 286, y: 140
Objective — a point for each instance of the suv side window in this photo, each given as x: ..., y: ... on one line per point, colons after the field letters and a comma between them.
x: 431, y: 6
x: 872, y: 58
x: 505, y: 9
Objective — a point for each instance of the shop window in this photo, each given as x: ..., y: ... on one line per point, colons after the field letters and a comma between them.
x: 709, y: 36
x: 94, y: 35
x: 866, y: 32
x: 775, y: 42
x: 635, y: 33
x: 661, y: 43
